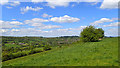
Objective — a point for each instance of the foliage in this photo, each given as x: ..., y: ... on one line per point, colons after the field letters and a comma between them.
x: 100, y: 32
x: 8, y: 56
x: 47, y: 47
x: 91, y: 34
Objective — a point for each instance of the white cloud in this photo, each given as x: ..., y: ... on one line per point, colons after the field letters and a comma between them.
x: 66, y: 0
x: 38, y: 23
x: 102, y: 20
x: 65, y: 32
x: 64, y: 3
x: 36, y: 20
x: 54, y: 3
x: 79, y: 28
x: 51, y: 26
x: 65, y: 19
x: 8, y: 24
x: 43, y: 26
x: 45, y: 33
x: 3, y: 2
x: 112, y: 24
x: 106, y: 4
x: 111, y: 32
x: 46, y: 15
x: 14, y: 3
x: 109, y: 4
x: 74, y: 29
x: 3, y: 30
x: 90, y: 0
x: 9, y: 4
x: 15, y: 30
x: 27, y: 8
x: 53, y: 33
x: 15, y: 22
x: 37, y: 1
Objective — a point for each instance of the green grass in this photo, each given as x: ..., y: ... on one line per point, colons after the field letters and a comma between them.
x: 103, y: 53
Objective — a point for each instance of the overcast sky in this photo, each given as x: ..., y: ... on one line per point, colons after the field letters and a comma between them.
x: 62, y: 18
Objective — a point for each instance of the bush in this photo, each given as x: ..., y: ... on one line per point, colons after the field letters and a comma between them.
x: 91, y: 34
x: 8, y: 56
x: 47, y: 47
x: 5, y: 56
x: 36, y: 50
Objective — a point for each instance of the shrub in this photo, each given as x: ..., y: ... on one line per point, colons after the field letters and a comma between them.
x: 91, y: 34
x: 8, y: 56
x: 36, y: 50
x: 5, y: 56
x: 17, y: 54
x: 47, y: 47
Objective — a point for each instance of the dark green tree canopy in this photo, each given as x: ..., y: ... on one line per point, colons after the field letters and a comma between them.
x: 91, y: 34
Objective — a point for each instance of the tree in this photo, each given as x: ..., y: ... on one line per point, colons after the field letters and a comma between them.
x: 91, y: 34
x: 100, y: 32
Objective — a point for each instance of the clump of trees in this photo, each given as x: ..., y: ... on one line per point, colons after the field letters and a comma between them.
x: 91, y: 34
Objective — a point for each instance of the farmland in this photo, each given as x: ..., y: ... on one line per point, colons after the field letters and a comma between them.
x: 14, y: 47
x: 102, y: 53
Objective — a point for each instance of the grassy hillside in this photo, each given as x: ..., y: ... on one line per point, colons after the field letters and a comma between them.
x: 103, y: 53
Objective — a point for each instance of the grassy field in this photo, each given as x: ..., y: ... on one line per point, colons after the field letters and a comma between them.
x: 103, y: 53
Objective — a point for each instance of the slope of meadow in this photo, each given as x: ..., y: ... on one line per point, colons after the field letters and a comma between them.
x: 103, y: 53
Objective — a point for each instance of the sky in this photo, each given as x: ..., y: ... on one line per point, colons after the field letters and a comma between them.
x: 57, y: 18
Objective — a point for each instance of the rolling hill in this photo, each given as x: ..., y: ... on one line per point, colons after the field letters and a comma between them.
x: 102, y: 53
